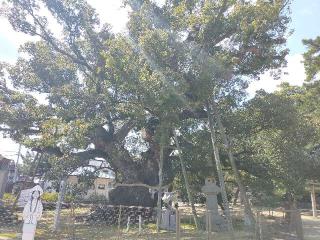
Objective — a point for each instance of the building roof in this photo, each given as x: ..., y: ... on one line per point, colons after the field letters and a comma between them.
x: 100, y: 166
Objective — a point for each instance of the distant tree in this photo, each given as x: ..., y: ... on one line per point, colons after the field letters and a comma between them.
x: 276, y: 144
x: 312, y: 58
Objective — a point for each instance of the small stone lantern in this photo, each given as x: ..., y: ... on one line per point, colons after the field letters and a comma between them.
x: 211, y: 190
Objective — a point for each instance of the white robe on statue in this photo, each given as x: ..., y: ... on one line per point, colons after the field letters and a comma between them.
x: 32, y: 212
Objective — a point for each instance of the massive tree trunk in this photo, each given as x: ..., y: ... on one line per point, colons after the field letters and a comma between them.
x: 142, y: 173
x: 293, y: 216
x: 219, y: 168
x: 243, y: 194
x: 109, y: 144
x: 129, y: 170
x: 186, y: 181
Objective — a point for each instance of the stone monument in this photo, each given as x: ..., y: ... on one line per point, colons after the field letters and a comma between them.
x: 4, y: 171
x: 168, y: 218
x: 211, y: 190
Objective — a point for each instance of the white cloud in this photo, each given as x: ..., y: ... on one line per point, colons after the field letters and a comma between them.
x: 9, y: 148
x: 112, y: 12
x: 16, y: 38
x: 294, y: 74
x: 11, y: 40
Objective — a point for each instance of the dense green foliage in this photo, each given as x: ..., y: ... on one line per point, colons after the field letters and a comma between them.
x: 312, y: 58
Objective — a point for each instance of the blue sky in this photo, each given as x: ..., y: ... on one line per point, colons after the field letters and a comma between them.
x: 305, y: 21
x: 305, y: 16
x: 8, y: 50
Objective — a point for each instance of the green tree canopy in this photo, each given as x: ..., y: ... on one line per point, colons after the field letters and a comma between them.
x: 103, y: 89
x: 312, y: 58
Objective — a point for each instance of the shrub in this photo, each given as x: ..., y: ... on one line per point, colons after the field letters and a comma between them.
x: 53, y: 197
x: 8, y: 198
x: 49, y: 197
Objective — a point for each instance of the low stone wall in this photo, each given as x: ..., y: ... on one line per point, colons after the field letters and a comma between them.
x: 110, y: 214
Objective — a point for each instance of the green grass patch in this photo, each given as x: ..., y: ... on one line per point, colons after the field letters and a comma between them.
x: 8, y: 235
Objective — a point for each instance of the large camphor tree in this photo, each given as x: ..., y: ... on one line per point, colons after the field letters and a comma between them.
x: 103, y: 89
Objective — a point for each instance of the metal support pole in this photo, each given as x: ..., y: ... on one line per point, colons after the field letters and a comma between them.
x: 128, y: 224
x: 209, y: 224
x: 62, y: 191
x: 178, y: 233
x: 313, y: 201
x: 260, y: 227
x: 140, y: 224
x: 159, y: 207
x: 119, y: 221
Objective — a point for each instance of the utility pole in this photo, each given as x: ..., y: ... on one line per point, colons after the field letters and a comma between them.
x: 16, y: 173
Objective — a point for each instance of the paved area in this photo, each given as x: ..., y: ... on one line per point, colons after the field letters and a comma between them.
x: 311, y: 228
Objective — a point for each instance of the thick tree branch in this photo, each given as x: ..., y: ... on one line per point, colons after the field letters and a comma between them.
x: 91, y: 154
x: 25, y: 130
x: 46, y: 36
x: 193, y: 113
x: 49, y: 150
x: 124, y: 130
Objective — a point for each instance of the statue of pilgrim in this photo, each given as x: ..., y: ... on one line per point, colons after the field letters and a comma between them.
x: 32, y: 213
